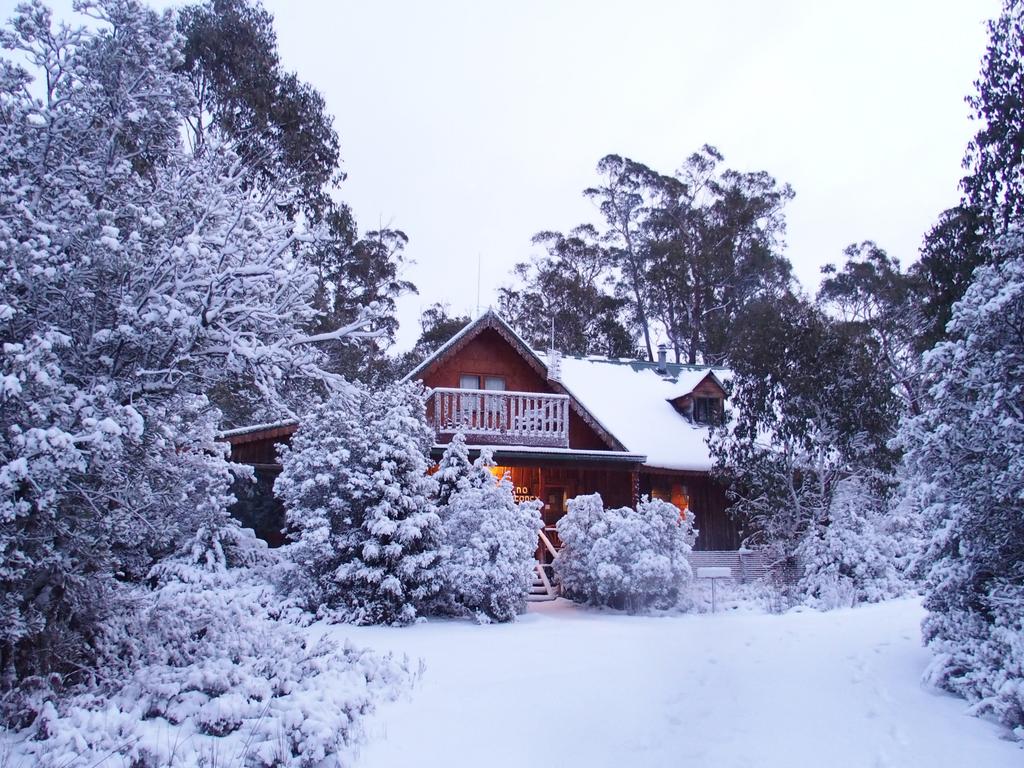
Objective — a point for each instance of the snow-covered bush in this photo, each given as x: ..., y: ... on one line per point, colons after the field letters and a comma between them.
x: 965, y: 452
x: 209, y: 667
x: 852, y: 557
x: 360, y: 506
x: 492, y: 538
x: 135, y: 277
x: 625, y: 558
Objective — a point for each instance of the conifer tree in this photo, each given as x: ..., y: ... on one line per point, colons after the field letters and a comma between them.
x: 361, y: 506
x: 453, y: 470
x: 965, y: 460
x: 493, y: 542
x: 851, y: 555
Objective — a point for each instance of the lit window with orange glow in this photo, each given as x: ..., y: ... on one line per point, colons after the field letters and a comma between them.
x: 680, y: 497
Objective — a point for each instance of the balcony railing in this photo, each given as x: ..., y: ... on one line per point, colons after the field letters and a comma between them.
x: 503, y: 418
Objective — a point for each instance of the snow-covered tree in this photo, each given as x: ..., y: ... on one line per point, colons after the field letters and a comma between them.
x: 965, y: 455
x: 625, y: 558
x: 852, y: 556
x: 809, y: 407
x: 492, y: 538
x: 454, y: 469
x: 360, y: 506
x: 135, y: 277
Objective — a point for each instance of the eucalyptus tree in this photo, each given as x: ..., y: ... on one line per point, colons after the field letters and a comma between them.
x: 565, y: 293
x: 872, y: 295
x: 714, y: 239
x: 807, y: 413
x: 622, y: 201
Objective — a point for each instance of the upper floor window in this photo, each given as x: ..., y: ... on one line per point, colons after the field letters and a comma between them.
x: 474, y: 381
x: 707, y: 410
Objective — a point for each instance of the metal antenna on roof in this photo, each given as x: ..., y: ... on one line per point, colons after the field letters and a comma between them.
x: 478, y: 284
x: 552, y: 330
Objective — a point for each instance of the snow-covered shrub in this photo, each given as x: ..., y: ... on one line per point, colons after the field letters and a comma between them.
x: 852, y: 557
x: 965, y: 451
x: 584, y: 522
x: 492, y: 538
x: 210, y: 663
x: 360, y: 506
x: 625, y: 558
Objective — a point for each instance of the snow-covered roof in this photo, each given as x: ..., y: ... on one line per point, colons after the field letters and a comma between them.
x: 240, y: 431
x: 631, y: 400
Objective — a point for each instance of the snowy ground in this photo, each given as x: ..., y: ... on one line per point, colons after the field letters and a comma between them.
x: 568, y: 687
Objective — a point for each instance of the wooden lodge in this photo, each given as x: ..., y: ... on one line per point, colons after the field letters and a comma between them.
x: 565, y: 426
x: 560, y: 426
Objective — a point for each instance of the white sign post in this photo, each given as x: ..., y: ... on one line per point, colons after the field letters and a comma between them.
x: 714, y: 573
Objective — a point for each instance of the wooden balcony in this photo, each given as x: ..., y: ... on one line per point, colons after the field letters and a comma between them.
x: 500, y: 418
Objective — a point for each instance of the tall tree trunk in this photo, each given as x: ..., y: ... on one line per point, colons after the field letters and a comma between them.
x: 641, y: 315
x: 634, y: 279
x: 695, y: 322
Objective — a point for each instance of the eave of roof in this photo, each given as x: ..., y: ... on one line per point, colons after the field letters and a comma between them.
x: 575, y: 455
x: 259, y: 431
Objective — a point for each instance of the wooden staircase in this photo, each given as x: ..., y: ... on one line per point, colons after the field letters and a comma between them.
x: 542, y: 589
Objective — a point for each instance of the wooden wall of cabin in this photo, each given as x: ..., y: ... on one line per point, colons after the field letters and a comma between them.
x: 705, y: 498
x: 488, y: 354
x: 261, y: 450
x: 257, y: 507
x: 614, y: 485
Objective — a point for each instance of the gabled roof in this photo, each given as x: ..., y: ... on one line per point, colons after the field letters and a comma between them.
x: 689, y: 379
x: 491, y: 320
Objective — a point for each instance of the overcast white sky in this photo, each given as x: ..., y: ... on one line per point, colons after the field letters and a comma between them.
x: 473, y: 125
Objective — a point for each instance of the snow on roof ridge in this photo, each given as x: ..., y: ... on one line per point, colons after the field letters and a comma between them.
x: 440, y: 351
x: 257, y: 428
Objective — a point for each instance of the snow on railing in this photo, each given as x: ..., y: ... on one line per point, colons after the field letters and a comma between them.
x: 522, y: 418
